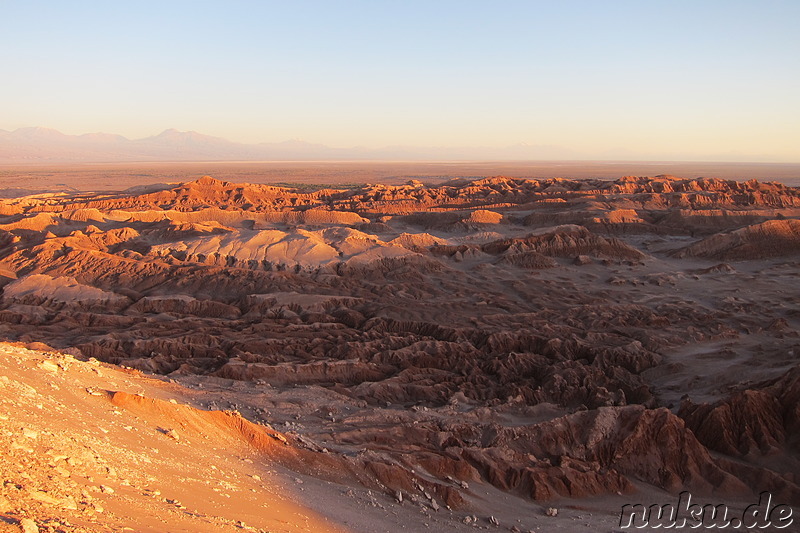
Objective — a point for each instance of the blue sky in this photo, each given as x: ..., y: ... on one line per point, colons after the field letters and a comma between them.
x: 677, y: 79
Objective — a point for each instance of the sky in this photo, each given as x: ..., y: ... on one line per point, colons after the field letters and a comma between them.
x: 678, y: 79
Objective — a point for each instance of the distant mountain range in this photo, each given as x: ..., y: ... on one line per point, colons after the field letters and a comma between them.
x: 36, y: 144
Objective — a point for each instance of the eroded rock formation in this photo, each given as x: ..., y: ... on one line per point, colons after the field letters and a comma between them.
x: 522, y: 333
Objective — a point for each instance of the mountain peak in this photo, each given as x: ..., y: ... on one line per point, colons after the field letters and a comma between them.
x: 34, y: 132
x: 173, y: 133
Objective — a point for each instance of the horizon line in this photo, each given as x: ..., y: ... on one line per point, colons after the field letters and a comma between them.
x: 716, y: 158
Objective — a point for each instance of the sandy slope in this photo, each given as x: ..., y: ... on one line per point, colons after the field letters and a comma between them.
x: 76, y: 462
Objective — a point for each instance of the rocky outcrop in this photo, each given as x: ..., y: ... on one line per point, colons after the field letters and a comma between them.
x: 483, y: 216
x: 753, y: 423
x: 603, y: 451
x: 318, y: 373
x: 773, y: 238
x: 565, y: 241
x: 183, y: 304
x: 647, y: 445
x: 46, y: 291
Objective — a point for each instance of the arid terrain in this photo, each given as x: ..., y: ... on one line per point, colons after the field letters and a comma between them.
x: 443, y: 354
x: 20, y: 180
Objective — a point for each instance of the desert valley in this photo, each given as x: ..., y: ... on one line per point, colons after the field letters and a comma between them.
x: 376, y: 267
x: 496, y: 353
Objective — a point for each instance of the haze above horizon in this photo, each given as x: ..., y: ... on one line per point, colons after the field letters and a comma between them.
x: 710, y: 80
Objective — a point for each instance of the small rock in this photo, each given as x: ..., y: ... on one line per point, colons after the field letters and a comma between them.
x: 44, y: 497
x: 69, y: 503
x: 29, y: 434
x: 28, y: 526
x: 49, y: 366
x: 105, y: 489
x: 494, y: 521
x: 551, y: 511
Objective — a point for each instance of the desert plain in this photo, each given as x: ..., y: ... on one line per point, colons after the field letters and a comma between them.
x: 357, y: 347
